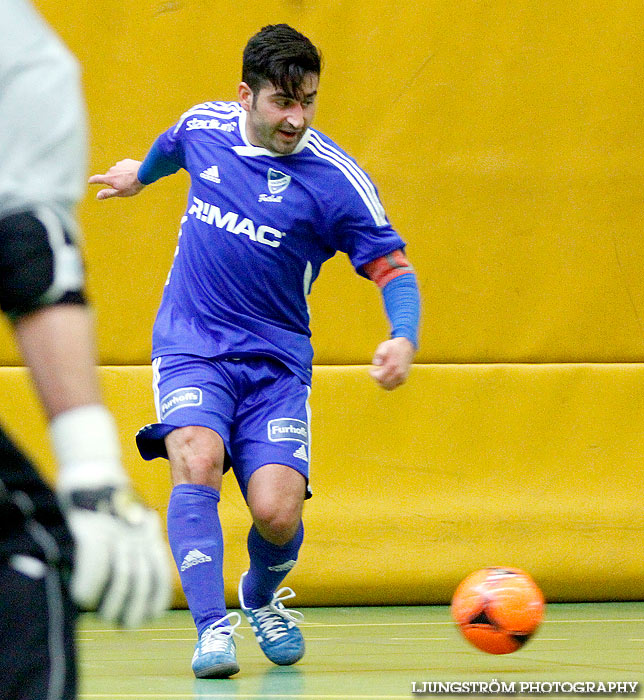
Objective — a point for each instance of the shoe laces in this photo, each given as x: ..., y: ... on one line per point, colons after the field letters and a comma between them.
x: 218, y: 636
x: 274, y: 619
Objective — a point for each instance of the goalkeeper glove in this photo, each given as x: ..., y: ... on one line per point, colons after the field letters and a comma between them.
x: 121, y: 568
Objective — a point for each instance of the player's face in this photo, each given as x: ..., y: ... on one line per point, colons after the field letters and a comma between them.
x: 277, y: 121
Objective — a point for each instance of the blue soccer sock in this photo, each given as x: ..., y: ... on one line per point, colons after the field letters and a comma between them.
x: 196, y: 541
x: 269, y: 564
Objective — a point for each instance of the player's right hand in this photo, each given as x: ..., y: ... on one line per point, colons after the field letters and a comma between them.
x: 121, y: 178
x: 121, y: 568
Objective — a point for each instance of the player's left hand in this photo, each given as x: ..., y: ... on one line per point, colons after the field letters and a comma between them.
x: 392, y: 362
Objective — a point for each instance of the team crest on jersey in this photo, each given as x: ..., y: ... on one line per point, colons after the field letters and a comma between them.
x: 277, y: 181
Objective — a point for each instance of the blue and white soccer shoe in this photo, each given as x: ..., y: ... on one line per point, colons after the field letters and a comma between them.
x: 275, y: 627
x: 214, y: 655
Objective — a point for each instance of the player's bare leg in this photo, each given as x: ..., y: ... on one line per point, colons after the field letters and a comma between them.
x: 196, y: 456
x: 276, y: 498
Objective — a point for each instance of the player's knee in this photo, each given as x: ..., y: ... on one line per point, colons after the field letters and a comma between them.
x: 202, y: 470
x: 277, y: 522
x: 39, y: 263
x: 196, y: 455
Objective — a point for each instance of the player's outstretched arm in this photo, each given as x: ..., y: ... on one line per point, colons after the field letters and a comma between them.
x: 128, y: 177
x: 397, y: 281
x: 122, y: 180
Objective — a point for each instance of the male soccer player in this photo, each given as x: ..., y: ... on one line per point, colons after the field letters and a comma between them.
x: 118, y: 563
x: 271, y: 199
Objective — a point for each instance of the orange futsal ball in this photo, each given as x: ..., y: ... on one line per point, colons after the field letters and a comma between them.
x: 498, y: 609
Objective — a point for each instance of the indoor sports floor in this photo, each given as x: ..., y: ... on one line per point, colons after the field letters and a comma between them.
x: 372, y: 653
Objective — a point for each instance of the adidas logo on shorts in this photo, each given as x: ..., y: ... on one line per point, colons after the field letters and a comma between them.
x: 300, y: 453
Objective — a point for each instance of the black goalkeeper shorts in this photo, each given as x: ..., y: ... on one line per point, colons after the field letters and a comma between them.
x: 37, y: 615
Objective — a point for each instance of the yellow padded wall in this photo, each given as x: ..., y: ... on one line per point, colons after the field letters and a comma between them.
x: 538, y: 467
x: 505, y: 138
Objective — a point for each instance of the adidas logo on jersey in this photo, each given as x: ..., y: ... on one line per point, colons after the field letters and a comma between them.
x: 193, y: 558
x: 211, y: 173
x: 300, y: 453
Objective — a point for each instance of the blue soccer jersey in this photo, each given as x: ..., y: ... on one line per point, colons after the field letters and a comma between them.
x: 257, y: 228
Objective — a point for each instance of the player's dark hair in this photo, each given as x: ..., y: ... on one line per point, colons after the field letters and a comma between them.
x: 280, y: 55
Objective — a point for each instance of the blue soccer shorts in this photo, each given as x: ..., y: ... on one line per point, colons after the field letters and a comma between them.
x: 258, y: 407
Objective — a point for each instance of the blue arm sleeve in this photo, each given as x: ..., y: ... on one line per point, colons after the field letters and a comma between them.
x: 155, y: 166
x: 402, y: 304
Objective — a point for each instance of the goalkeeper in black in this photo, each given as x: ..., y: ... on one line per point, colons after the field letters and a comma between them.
x: 91, y: 544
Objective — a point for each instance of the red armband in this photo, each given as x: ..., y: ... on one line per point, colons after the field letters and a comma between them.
x: 388, y: 267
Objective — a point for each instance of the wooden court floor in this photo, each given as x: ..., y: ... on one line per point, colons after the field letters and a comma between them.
x: 369, y: 653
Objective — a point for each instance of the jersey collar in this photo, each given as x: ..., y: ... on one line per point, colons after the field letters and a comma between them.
x: 248, y: 149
